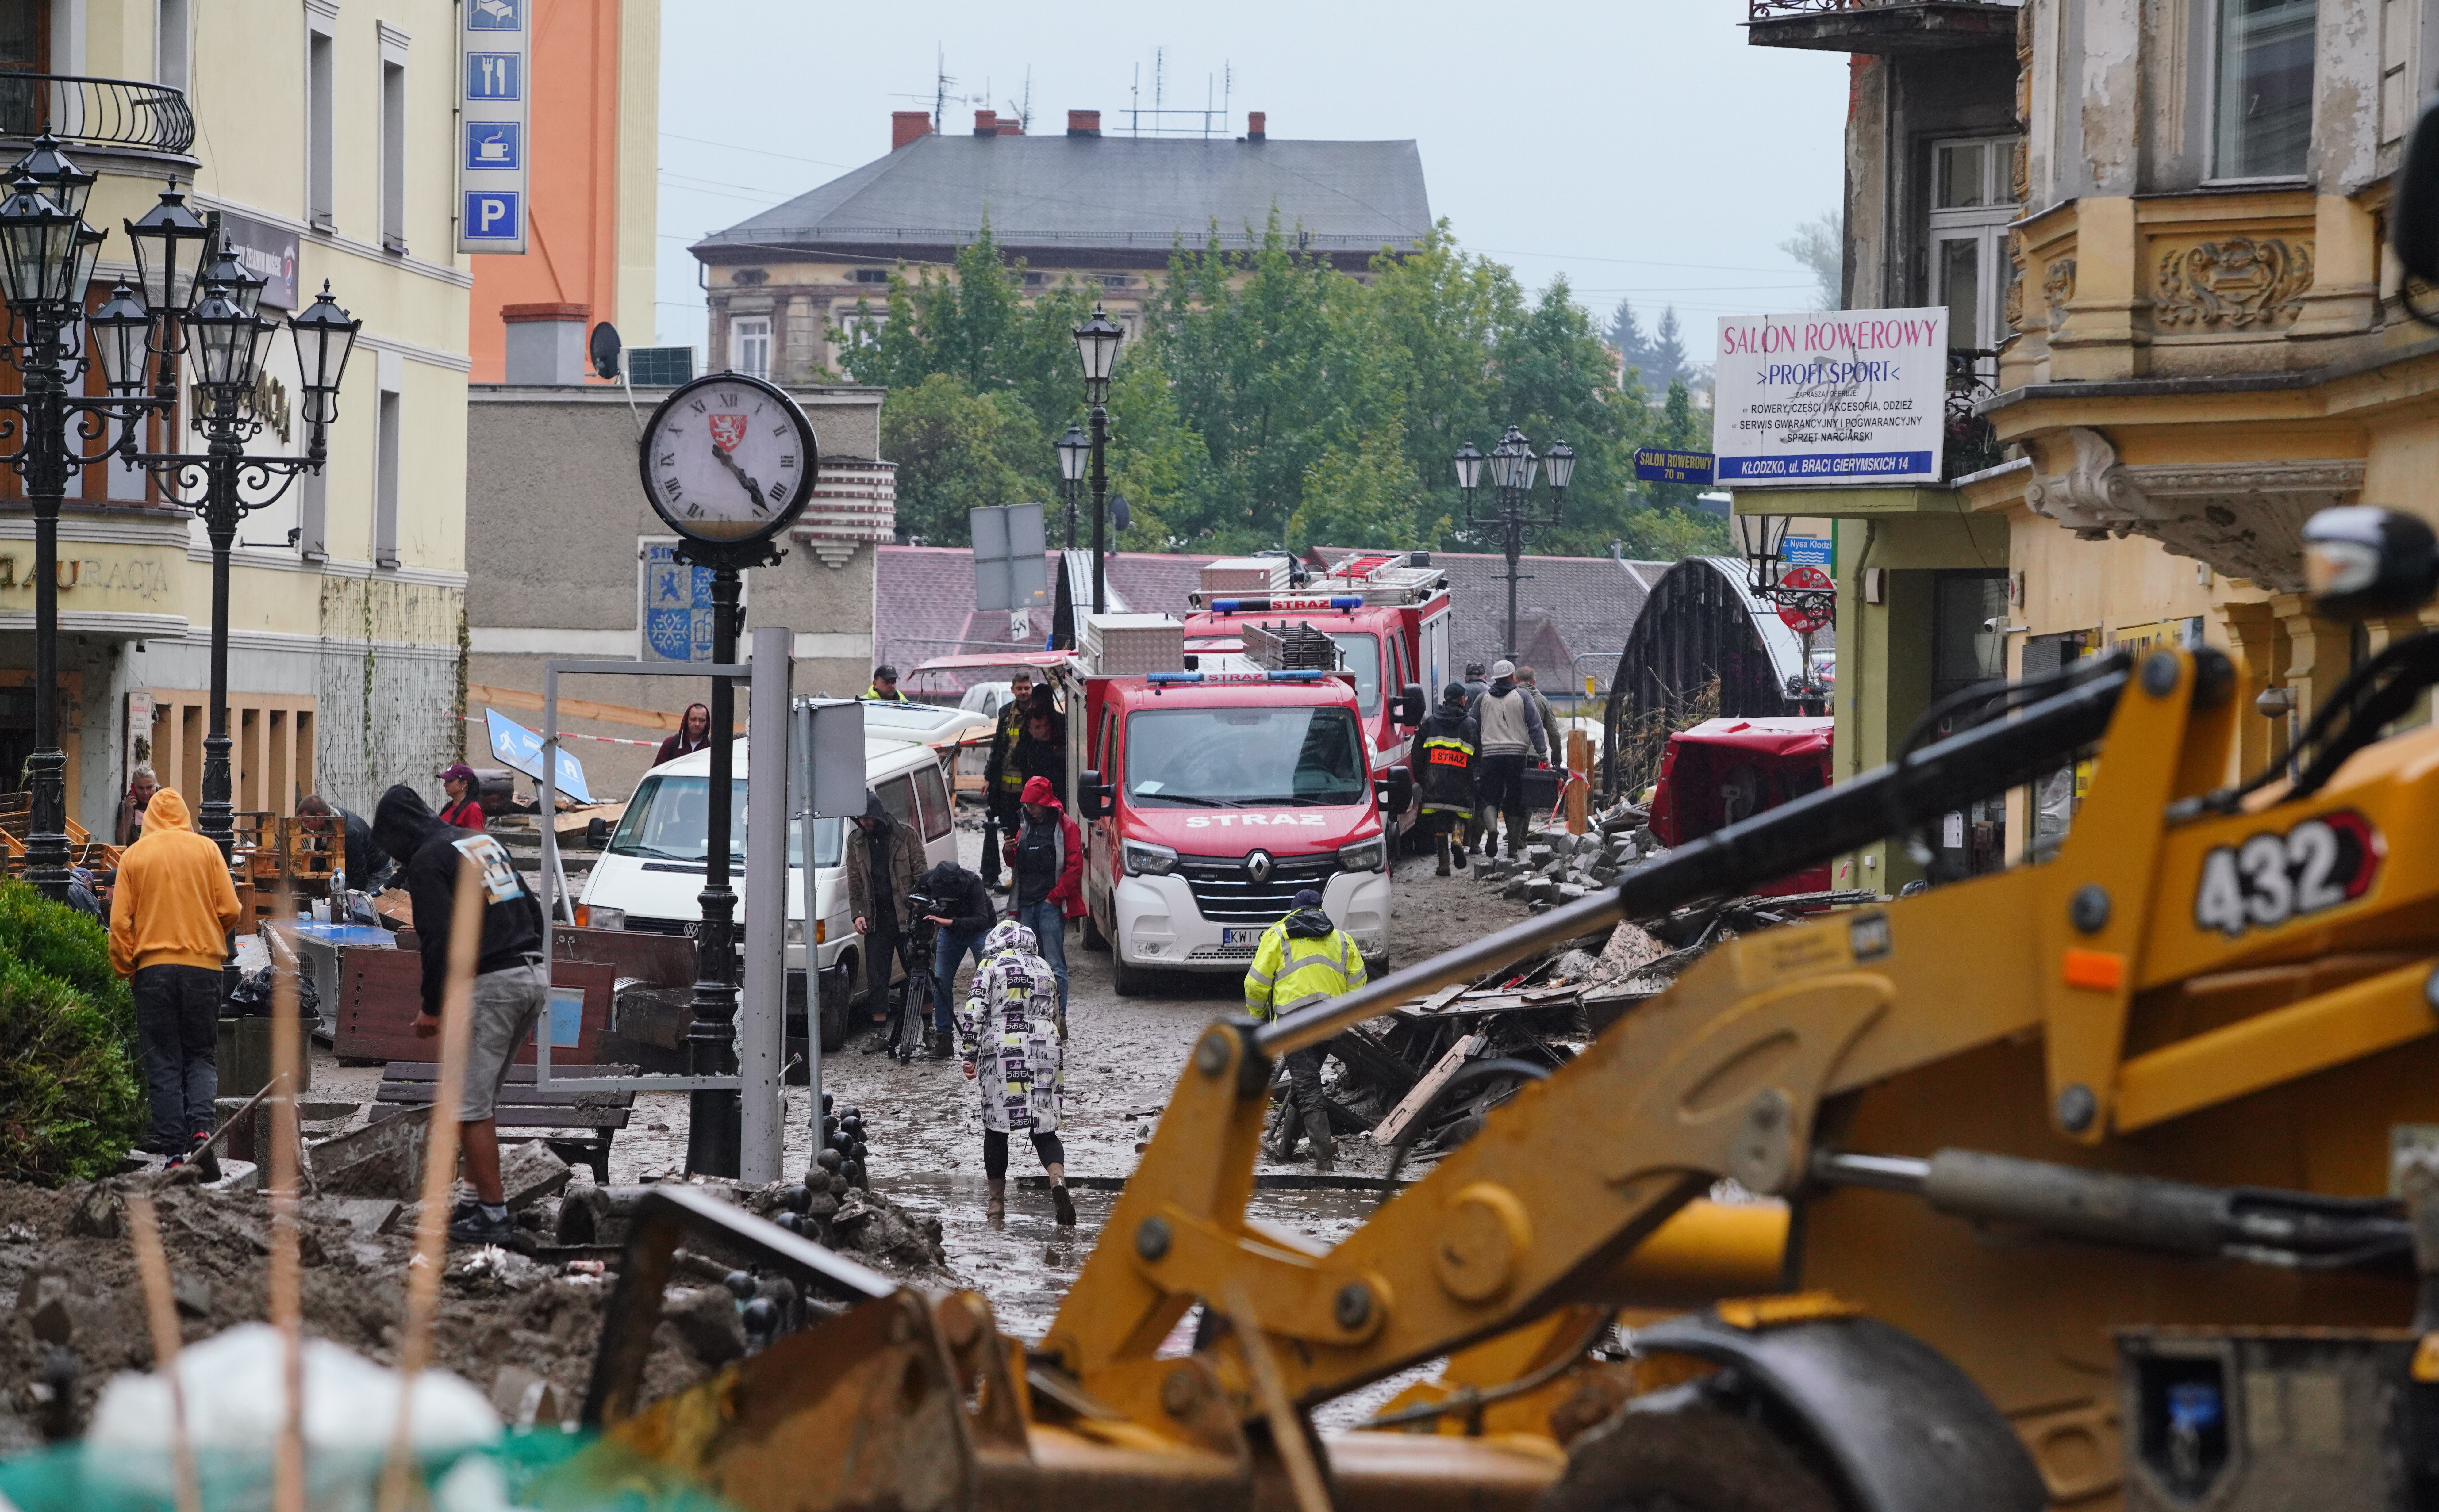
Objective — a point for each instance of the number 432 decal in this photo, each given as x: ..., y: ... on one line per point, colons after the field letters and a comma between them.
x: 2273, y: 877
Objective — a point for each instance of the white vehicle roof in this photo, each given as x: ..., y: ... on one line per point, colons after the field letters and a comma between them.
x: 921, y: 723
x: 881, y: 757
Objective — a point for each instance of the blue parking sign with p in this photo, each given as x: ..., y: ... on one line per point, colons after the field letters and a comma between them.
x: 491, y: 215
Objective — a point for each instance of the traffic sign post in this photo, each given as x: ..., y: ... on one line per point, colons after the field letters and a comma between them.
x: 1808, y: 600
x: 1653, y: 464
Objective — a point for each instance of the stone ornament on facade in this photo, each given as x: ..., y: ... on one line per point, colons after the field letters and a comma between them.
x: 855, y: 501
x: 2244, y: 519
x: 2238, y: 281
x: 2058, y: 288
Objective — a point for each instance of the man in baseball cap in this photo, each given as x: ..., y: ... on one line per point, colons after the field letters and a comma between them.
x: 885, y: 685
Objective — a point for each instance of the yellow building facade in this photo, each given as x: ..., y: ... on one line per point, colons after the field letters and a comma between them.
x: 322, y: 133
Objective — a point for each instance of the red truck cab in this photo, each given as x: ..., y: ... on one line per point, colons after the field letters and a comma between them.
x: 1210, y: 797
x: 1388, y: 612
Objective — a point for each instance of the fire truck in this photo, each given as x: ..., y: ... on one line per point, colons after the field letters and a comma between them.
x: 1387, y: 613
x: 1212, y: 790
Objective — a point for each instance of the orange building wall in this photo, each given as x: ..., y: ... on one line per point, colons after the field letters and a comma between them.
x: 572, y: 247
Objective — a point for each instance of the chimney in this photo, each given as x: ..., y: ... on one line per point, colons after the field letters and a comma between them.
x: 1083, y: 123
x: 545, y: 343
x: 906, y: 125
x: 1010, y: 126
x: 1256, y: 122
x: 985, y: 123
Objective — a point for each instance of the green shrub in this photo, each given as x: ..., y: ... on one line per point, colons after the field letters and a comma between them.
x: 69, y: 1101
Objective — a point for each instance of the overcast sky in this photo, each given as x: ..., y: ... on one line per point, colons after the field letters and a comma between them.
x: 1637, y: 147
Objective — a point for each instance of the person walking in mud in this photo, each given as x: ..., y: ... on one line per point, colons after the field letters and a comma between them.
x: 1301, y: 959
x: 1007, y: 1033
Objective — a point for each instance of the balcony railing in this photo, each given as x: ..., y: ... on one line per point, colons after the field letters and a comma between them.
x: 1769, y: 10
x: 96, y: 112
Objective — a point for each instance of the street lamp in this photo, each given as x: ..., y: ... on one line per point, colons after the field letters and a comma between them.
x: 227, y: 343
x: 1513, y: 468
x: 1760, y: 537
x: 1097, y: 342
x: 46, y: 258
x: 1071, y: 449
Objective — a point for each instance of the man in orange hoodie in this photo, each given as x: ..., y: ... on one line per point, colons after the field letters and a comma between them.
x: 169, y: 921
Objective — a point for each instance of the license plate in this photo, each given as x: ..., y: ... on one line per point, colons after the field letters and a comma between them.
x: 1241, y: 937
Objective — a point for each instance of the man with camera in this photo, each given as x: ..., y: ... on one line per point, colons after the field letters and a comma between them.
x: 955, y: 904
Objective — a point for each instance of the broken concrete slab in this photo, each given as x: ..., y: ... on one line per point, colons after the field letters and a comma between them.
x: 379, y: 1160
x: 529, y: 1172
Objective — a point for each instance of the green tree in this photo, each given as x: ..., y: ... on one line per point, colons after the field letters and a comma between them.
x: 958, y: 450
x: 1362, y: 493
x: 1820, y: 244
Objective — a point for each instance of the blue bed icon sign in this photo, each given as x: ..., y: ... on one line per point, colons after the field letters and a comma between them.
x: 495, y: 15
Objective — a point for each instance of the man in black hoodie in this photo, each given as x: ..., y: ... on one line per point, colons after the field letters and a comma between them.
x: 509, y: 989
x: 962, y: 909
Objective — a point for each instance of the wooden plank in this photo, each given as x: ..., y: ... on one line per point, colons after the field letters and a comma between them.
x: 518, y: 1075
x: 1411, y: 1106
x: 415, y: 1094
x: 1434, y: 1003
x: 532, y: 1117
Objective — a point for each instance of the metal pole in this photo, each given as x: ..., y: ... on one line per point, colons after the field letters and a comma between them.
x: 1509, y: 505
x: 1100, y: 512
x: 46, y: 841
x: 762, y: 1026
x: 215, y: 817
x: 801, y: 756
x: 1067, y: 489
x: 712, y: 1131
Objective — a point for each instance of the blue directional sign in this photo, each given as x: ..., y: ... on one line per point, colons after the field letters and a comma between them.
x: 1656, y: 464
x: 520, y: 749
x: 1805, y: 551
x: 495, y: 146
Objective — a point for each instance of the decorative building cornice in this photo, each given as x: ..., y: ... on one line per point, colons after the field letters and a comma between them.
x: 2243, y: 518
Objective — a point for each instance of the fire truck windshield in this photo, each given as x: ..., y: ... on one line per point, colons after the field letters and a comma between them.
x: 1241, y: 757
x: 1362, y: 652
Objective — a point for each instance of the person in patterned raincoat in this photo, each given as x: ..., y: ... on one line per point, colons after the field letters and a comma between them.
x: 1007, y: 1033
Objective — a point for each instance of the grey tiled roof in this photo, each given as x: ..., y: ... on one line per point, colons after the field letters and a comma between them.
x: 1107, y: 192
x: 1573, y: 613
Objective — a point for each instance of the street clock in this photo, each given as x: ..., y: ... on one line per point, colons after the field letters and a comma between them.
x: 728, y: 462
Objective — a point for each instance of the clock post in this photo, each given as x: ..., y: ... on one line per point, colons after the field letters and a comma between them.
x: 727, y: 462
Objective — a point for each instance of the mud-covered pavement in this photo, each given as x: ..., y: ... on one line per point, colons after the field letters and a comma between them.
x: 1123, y: 1057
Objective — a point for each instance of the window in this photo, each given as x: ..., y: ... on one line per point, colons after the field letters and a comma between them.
x: 393, y: 155
x: 898, y: 796
x: 934, y: 793
x: 1233, y: 757
x: 670, y: 819
x: 386, y: 466
x: 872, y: 275
x: 1116, y: 281
x: 2264, y: 87
x: 319, y: 145
x: 749, y: 346
x: 169, y: 43
x: 1971, y: 202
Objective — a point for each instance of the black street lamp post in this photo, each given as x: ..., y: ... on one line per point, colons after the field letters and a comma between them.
x: 1096, y: 341
x: 1513, y: 467
x: 1073, y: 449
x: 46, y: 261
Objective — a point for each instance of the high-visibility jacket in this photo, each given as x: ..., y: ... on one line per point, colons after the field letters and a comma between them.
x: 1297, y: 963
x: 1442, y: 760
x: 874, y: 695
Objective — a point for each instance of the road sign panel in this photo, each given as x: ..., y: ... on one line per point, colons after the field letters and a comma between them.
x: 1654, y: 464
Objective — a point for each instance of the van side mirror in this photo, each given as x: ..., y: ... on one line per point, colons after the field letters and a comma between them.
x: 2363, y: 562
x: 1095, y: 797
x: 1410, y: 708
x: 1396, y: 790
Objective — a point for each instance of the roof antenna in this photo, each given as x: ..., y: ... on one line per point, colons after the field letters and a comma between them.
x: 1135, y: 104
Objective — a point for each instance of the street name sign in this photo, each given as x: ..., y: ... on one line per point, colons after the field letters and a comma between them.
x: 520, y: 749
x: 1854, y: 396
x: 1655, y: 465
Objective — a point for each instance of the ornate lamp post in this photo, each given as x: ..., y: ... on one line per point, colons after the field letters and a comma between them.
x: 1097, y: 342
x: 1073, y: 449
x: 46, y: 258
x: 227, y: 341
x: 1513, y: 468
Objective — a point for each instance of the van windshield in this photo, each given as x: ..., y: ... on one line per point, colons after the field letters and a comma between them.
x: 1239, y: 757
x: 670, y: 819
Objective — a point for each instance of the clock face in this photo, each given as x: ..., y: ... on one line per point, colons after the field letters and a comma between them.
x: 728, y: 459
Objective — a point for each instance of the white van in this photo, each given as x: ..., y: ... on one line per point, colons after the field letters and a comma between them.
x: 652, y: 875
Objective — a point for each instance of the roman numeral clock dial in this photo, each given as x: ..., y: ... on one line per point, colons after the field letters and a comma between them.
x: 728, y: 460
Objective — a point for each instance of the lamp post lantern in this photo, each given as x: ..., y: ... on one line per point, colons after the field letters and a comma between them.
x: 1513, y: 468
x: 1073, y: 448
x: 1097, y: 342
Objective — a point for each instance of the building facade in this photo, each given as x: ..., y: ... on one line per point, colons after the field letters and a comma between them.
x: 321, y: 134
x: 1106, y: 211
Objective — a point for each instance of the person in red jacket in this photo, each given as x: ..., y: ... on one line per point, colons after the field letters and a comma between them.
x: 1046, y: 861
